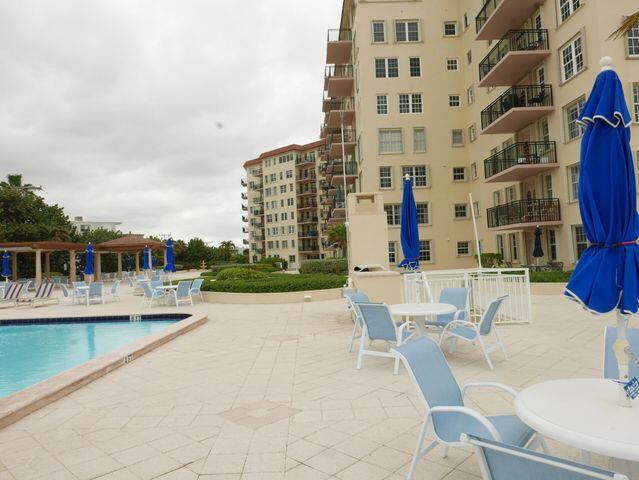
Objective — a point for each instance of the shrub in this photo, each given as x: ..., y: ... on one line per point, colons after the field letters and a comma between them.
x: 215, y: 269
x: 243, y: 274
x: 337, y: 266
x: 552, y: 277
x: 491, y: 260
x: 274, y: 261
x: 278, y: 283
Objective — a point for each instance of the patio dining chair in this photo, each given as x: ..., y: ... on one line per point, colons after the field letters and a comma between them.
x: 152, y: 294
x: 113, y: 291
x: 446, y: 412
x: 183, y: 293
x: 610, y: 364
x: 196, y: 289
x: 351, y: 299
x: 67, y: 294
x: 378, y: 324
x: 95, y: 293
x: 459, y: 297
x: 499, y: 461
x: 477, y: 333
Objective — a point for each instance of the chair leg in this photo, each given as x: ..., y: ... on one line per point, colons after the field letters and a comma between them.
x: 483, y: 349
x: 353, y: 336
x: 501, y: 345
x: 396, y: 368
x: 453, y: 345
x: 445, y: 453
x: 361, y: 351
x: 419, y: 452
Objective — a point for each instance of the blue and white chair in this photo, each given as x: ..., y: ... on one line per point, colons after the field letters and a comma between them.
x: 151, y: 294
x: 196, y: 289
x: 499, y: 461
x: 114, y: 290
x: 95, y: 293
x: 183, y: 293
x: 378, y: 324
x: 477, y: 332
x: 459, y: 297
x: 610, y: 365
x: 446, y: 413
x: 352, y: 298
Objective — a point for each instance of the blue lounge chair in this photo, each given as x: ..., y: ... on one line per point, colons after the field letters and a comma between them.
x: 453, y: 296
x: 499, y: 461
x: 95, y: 293
x: 445, y: 409
x: 183, y: 293
x: 610, y: 365
x: 378, y: 324
x: 114, y: 290
x: 477, y: 333
x: 196, y: 289
x: 352, y: 298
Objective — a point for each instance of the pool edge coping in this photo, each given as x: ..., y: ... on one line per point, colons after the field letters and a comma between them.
x: 20, y: 404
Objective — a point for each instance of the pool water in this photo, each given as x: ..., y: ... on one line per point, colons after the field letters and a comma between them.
x: 30, y: 353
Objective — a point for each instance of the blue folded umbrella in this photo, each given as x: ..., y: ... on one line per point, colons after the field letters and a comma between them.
x: 145, y: 258
x: 409, y: 234
x: 170, y: 257
x: 88, y: 261
x: 6, y: 268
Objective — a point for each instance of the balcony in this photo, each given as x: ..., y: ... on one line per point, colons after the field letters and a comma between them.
x: 349, y: 142
x: 338, y: 109
x: 245, y: 230
x: 244, y: 207
x: 307, y: 192
x: 243, y: 182
x: 339, y: 80
x: 258, y: 200
x: 257, y: 172
x: 245, y: 241
x: 306, y: 220
x: 305, y: 160
x: 244, y: 218
x: 244, y: 196
x: 306, y: 177
x: 520, y: 161
x: 256, y: 186
x: 337, y: 173
x: 513, y: 56
x: 258, y: 212
x: 517, y: 107
x: 339, y: 46
x: 496, y: 17
x: 522, y: 214
x: 307, y: 206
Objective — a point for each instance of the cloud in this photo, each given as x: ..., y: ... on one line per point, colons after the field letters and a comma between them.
x: 115, y: 105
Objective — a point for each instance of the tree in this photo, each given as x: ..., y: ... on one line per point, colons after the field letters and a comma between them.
x: 628, y: 24
x: 226, y: 250
x: 14, y: 182
x: 337, y: 234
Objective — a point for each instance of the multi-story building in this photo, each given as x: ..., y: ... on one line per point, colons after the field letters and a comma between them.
x: 282, y: 210
x: 82, y: 225
x: 470, y: 97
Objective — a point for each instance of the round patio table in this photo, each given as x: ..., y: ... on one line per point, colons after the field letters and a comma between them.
x: 584, y: 413
x: 421, y: 310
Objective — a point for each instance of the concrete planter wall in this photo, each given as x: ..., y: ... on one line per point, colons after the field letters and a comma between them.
x: 272, y: 298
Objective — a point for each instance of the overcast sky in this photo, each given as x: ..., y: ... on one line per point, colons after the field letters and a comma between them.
x: 143, y: 111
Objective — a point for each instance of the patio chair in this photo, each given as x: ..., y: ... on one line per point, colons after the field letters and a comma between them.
x: 499, y: 461
x: 453, y: 296
x: 446, y: 413
x: 11, y: 294
x: 351, y: 299
x: 95, y: 292
x: 610, y: 365
x: 477, y: 333
x: 183, y: 293
x: 67, y: 294
x: 151, y: 294
x: 113, y: 291
x: 41, y: 296
x: 196, y: 289
x: 378, y: 324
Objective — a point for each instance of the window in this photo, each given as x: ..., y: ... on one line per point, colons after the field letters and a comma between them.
x: 457, y: 137
x: 470, y: 95
x: 511, y: 195
x: 452, y: 64
x: 459, y: 174
x: 390, y: 141
x: 572, y: 59
x: 393, y: 214
x: 392, y: 252
x: 419, y: 140
x: 473, y: 171
x: 269, y: 245
x: 415, y: 66
x: 289, y: 173
x: 548, y: 186
x: 463, y: 249
x: 541, y: 75
x: 382, y: 105
x: 450, y: 29
x: 284, y: 243
x: 500, y: 245
x: 545, y: 130
x: 633, y: 41
x: 571, y: 114
x: 423, y: 213
x: 410, y: 103
x: 282, y: 188
x: 289, y: 202
x: 573, y: 182
x: 567, y: 8
x: 454, y: 101
x: 379, y: 32
x: 476, y: 209
x: 552, y: 245
x: 406, y: 31
x: 417, y: 173
x: 635, y: 100
x: 425, y: 253
x: 581, y: 242
x: 385, y: 177
x: 466, y: 24
x: 537, y: 21
x: 514, y: 246
x: 472, y: 132
x: 461, y: 210
x: 469, y: 56
x: 291, y: 259
x: 386, y: 67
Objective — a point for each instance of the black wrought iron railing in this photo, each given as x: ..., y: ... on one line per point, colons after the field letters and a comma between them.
x: 513, y: 41
x: 520, y: 153
x: 484, y: 14
x: 517, y: 97
x: 524, y: 211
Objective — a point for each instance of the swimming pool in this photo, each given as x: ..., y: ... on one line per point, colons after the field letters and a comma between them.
x: 33, y: 350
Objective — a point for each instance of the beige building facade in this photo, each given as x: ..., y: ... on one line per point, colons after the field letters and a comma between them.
x: 469, y: 97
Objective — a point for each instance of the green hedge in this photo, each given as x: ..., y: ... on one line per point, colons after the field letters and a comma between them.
x: 243, y: 274
x: 278, y: 283
x: 215, y: 269
x: 552, y: 277
x: 338, y: 266
x: 274, y: 261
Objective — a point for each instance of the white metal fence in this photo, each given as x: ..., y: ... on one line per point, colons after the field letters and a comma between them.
x: 485, y: 285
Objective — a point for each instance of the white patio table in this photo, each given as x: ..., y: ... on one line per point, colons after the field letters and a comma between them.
x: 584, y: 413
x: 85, y: 290
x: 421, y: 310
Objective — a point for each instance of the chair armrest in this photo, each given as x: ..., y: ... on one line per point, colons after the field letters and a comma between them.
x: 471, y: 413
x: 400, y: 331
x: 496, y: 385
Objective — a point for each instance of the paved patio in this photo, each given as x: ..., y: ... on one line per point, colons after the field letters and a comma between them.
x: 270, y: 392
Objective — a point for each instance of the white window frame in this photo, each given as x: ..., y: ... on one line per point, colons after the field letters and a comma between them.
x: 579, y: 238
x: 457, y: 209
x: 390, y: 142
x: 513, y: 247
x: 426, y: 251
x: 464, y: 251
x: 573, y: 130
x: 634, y: 91
x: 414, y: 102
x: 387, y: 67
x: 455, y: 29
x: 422, y: 205
x: 454, y: 98
x: 392, y: 253
x: 393, y: 213
x: 472, y: 133
x: 457, y: 132
x: 459, y: 174
x: 632, y: 42
x: 381, y: 104
x: 470, y: 95
x: 420, y: 179
x: 417, y: 148
x: 573, y: 182
x: 388, y: 177
x: 572, y: 58
x: 452, y: 64
x: 474, y: 175
x: 373, y: 33
x: 410, y: 66
x: 566, y: 8
x: 402, y: 26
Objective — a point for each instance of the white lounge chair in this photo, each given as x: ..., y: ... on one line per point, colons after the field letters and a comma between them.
x: 42, y: 295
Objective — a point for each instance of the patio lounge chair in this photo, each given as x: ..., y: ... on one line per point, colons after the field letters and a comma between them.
x: 42, y: 296
x: 183, y: 293
x: 499, y: 461
x: 445, y: 409
x: 11, y: 294
x: 152, y: 294
x: 453, y: 296
x: 95, y: 292
x: 378, y: 324
x: 196, y: 289
x: 114, y: 290
x: 352, y: 298
x: 610, y: 365
x: 477, y: 333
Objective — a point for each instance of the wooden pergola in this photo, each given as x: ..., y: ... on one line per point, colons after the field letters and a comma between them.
x: 127, y: 244
x: 38, y: 248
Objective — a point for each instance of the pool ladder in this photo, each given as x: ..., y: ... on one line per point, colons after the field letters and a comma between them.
x: 135, y: 318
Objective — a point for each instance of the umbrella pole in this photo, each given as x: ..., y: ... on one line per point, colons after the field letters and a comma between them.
x: 622, y: 352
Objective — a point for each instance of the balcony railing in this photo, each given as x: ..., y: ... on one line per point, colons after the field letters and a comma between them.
x: 245, y: 230
x: 337, y: 168
x: 484, y: 14
x: 339, y: 35
x: 306, y: 177
x: 244, y: 207
x: 244, y: 196
x: 244, y: 218
x: 338, y: 71
x: 258, y: 200
x: 305, y: 205
x: 336, y: 104
x: 517, y: 97
x: 520, y: 153
x: 243, y: 182
x: 245, y: 241
x: 307, y: 220
x: 309, y: 191
x: 513, y: 41
x: 521, y: 212
x: 257, y: 172
x: 305, y: 159
x: 349, y: 136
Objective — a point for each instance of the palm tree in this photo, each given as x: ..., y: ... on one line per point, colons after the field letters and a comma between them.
x: 337, y: 235
x: 226, y: 249
x: 59, y: 234
x: 14, y: 182
x: 628, y: 24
